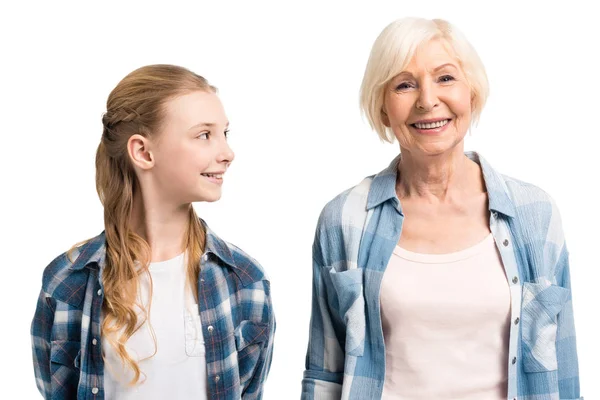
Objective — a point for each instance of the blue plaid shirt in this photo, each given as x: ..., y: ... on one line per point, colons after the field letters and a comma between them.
x: 235, y: 310
x: 356, y: 234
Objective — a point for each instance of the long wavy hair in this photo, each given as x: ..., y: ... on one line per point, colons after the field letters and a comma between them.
x: 136, y: 106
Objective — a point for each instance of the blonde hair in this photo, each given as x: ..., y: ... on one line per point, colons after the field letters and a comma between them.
x: 393, y: 50
x: 136, y: 106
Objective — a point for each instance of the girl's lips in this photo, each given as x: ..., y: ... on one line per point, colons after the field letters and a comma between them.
x: 214, y: 178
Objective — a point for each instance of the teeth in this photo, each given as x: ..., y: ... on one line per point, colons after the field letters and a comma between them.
x: 218, y: 176
x: 433, y: 125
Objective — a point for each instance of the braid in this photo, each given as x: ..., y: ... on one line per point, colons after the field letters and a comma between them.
x: 123, y: 114
x: 114, y: 120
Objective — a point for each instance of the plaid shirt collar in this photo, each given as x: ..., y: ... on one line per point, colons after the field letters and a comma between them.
x: 383, y: 187
x: 93, y: 254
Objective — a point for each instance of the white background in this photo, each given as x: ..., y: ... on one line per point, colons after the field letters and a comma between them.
x: 289, y: 75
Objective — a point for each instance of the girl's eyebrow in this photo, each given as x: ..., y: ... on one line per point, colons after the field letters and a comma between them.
x: 206, y: 125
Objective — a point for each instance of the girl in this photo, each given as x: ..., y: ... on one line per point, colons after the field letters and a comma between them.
x: 157, y: 306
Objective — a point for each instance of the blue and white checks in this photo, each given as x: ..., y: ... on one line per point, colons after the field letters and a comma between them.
x: 356, y: 234
x: 235, y: 310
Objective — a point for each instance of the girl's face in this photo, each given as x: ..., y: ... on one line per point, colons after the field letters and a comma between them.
x: 191, y: 154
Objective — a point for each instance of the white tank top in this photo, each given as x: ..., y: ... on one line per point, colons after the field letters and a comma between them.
x: 178, y: 369
x: 446, y: 324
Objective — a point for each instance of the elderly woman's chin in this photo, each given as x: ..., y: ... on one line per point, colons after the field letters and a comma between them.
x: 448, y: 142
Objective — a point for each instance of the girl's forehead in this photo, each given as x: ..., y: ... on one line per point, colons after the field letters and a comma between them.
x: 193, y: 109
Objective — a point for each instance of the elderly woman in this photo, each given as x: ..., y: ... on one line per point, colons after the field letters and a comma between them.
x: 438, y: 277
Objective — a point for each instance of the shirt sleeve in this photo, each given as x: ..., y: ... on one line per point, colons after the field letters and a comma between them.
x: 566, y: 346
x: 41, y: 331
x: 325, y: 356
x: 254, y: 390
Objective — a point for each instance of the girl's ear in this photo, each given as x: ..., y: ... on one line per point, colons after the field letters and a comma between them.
x: 139, y: 152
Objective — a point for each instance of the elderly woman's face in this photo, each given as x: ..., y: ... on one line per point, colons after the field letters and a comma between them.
x: 428, y: 105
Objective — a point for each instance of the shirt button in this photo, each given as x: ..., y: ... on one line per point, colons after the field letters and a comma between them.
x: 210, y: 329
x: 99, y: 292
x: 514, y: 360
x: 205, y: 258
x: 494, y: 214
x: 515, y: 280
x: 201, y: 279
x: 505, y: 243
x: 94, y: 390
x: 94, y: 342
x: 516, y: 320
x: 217, y: 378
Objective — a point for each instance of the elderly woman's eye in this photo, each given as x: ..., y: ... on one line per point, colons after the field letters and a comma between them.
x: 404, y: 86
x: 446, y: 78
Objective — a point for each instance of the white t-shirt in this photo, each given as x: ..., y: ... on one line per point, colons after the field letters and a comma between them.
x: 445, y: 320
x: 178, y: 369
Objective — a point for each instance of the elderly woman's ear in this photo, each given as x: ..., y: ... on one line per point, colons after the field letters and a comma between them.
x: 384, y: 117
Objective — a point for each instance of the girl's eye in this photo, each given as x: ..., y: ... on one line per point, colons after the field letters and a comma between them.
x: 446, y: 78
x: 226, y: 133
x: 203, y: 135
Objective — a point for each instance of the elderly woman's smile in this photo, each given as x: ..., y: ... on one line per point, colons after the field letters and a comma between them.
x: 431, y: 126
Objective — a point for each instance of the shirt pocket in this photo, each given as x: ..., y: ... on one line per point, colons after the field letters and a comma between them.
x: 349, y: 296
x: 194, y: 340
x: 64, y: 367
x: 250, y: 339
x: 541, y: 304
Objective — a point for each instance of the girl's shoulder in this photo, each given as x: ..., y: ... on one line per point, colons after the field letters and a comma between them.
x: 65, y: 278
x: 247, y: 263
x: 247, y: 268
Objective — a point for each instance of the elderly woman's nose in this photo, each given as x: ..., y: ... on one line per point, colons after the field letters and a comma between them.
x: 427, y: 99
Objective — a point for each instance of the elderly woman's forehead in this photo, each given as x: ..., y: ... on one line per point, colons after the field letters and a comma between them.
x: 433, y: 55
x: 433, y: 49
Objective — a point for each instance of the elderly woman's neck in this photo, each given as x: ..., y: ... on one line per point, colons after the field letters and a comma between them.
x: 441, y: 177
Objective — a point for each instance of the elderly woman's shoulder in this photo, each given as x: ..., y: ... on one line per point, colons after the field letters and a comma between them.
x: 527, y: 194
x: 351, y: 203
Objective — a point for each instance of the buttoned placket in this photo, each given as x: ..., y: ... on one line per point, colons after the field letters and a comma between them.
x: 95, y: 352
x: 93, y: 349
x: 211, y: 332
x: 503, y: 239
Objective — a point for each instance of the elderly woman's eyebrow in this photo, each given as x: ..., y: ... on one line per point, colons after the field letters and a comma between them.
x: 447, y: 65
x: 436, y: 69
